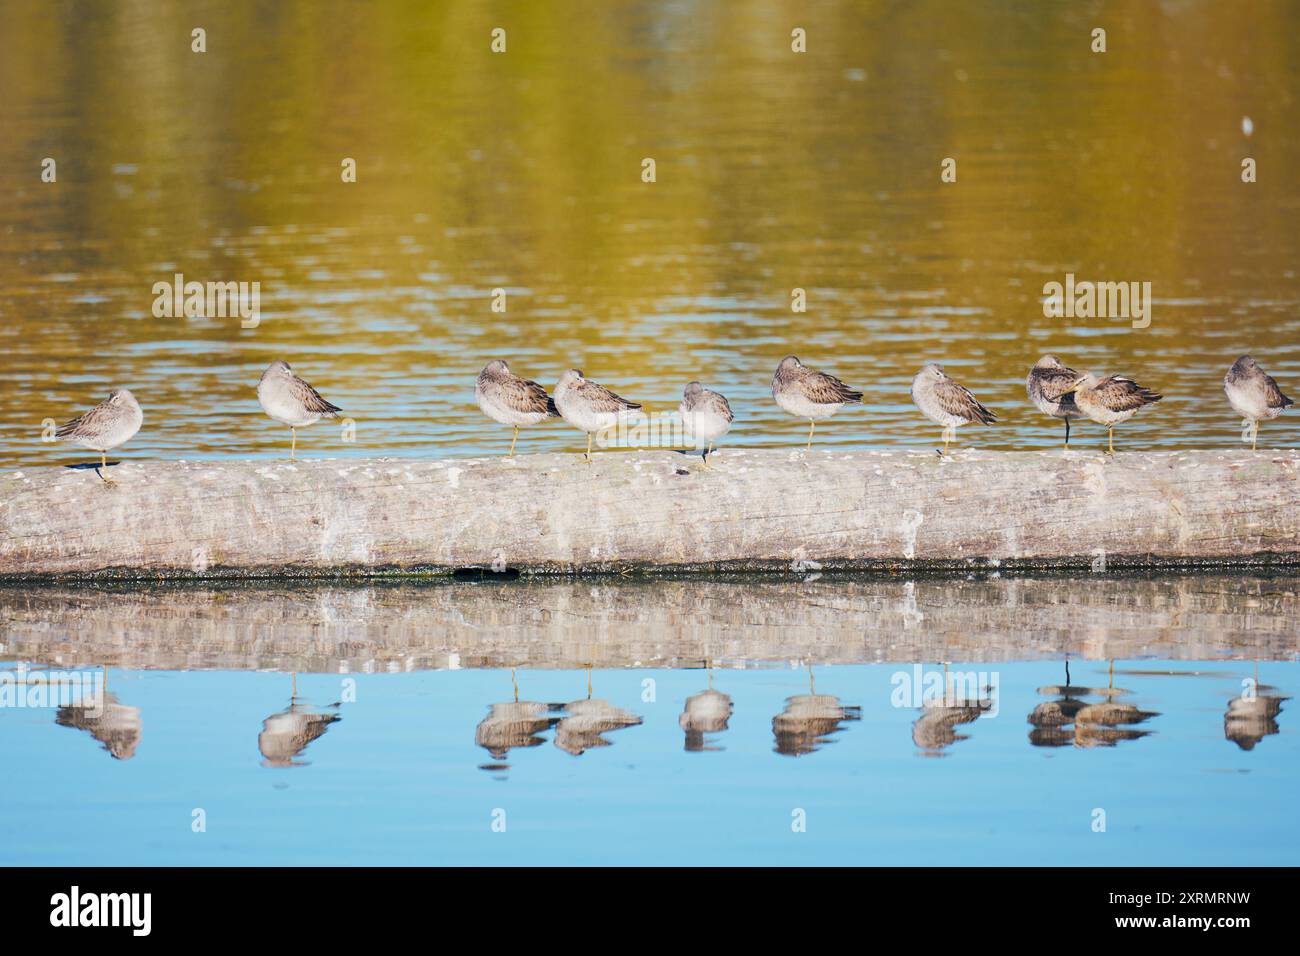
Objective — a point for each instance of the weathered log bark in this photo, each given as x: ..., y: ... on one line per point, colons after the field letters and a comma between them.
x: 762, y: 509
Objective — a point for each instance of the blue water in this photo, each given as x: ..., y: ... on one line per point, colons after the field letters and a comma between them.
x: 400, y: 780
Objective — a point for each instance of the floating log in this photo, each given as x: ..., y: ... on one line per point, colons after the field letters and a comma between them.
x: 765, y: 509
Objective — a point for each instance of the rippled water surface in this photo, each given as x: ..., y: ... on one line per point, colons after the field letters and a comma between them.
x: 522, y: 171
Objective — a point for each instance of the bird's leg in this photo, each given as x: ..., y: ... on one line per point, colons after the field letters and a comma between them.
x: 589, y: 447
x: 516, y: 683
x: 1254, y: 436
x: 588, y: 682
x: 1067, y: 433
x: 1110, y: 440
x: 295, y: 686
x: 512, y: 443
x: 293, y: 442
x: 103, y: 468
x: 812, y: 425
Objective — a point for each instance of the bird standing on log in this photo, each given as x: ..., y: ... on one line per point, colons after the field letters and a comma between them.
x: 1049, y: 385
x: 1253, y: 394
x: 807, y: 393
x: 706, y: 415
x: 589, y: 407
x: 112, y: 422
x: 511, y: 400
x: 1111, y: 400
x: 291, y: 401
x: 946, y: 403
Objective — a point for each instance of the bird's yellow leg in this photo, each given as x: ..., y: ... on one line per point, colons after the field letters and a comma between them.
x: 1110, y: 440
x: 812, y: 425
x: 1254, y: 436
x: 588, y: 446
x: 512, y: 443
x: 103, y: 468
x: 293, y: 442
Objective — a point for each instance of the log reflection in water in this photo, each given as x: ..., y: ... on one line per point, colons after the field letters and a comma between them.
x: 606, y: 622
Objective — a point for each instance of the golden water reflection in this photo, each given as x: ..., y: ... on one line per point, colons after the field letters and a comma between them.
x: 521, y: 172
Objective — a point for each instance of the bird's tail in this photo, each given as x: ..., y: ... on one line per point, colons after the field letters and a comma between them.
x: 64, y: 431
x: 550, y: 407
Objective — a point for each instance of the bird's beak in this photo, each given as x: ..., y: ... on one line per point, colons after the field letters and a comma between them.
x: 1077, y: 383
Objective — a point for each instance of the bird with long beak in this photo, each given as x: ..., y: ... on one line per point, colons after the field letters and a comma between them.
x: 1111, y: 400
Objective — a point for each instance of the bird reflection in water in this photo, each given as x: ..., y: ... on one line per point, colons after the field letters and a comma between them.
x: 809, y: 720
x: 117, y: 727
x: 705, y: 713
x: 1069, y: 720
x: 936, y: 728
x: 286, y: 735
x: 584, y: 722
x: 1252, y: 716
x: 511, y: 724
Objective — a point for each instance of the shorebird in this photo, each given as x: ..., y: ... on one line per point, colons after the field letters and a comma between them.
x: 513, y: 723
x: 1049, y: 386
x: 706, y: 415
x: 291, y: 401
x: 1253, y: 716
x: 807, y: 393
x: 511, y: 400
x: 1111, y: 400
x: 946, y: 403
x: 809, y: 720
x: 115, y: 725
x: 112, y: 422
x: 1253, y: 394
x: 707, y: 712
x: 285, y: 735
x: 936, y: 728
x: 587, y: 406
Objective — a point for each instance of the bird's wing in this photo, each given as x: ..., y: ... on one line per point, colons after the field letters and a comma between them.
x: 602, y: 399
x: 1273, y: 395
x: 310, y: 398
x: 1057, y: 381
x: 92, y: 422
x: 826, y: 389
x: 721, y: 406
x: 1121, y: 394
x: 957, y: 400
x: 523, y: 395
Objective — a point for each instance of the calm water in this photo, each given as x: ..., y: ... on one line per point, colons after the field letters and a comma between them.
x: 658, y: 722
x: 522, y: 171
x: 417, y: 769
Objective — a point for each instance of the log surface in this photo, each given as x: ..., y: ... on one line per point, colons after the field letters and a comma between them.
x: 763, y: 509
